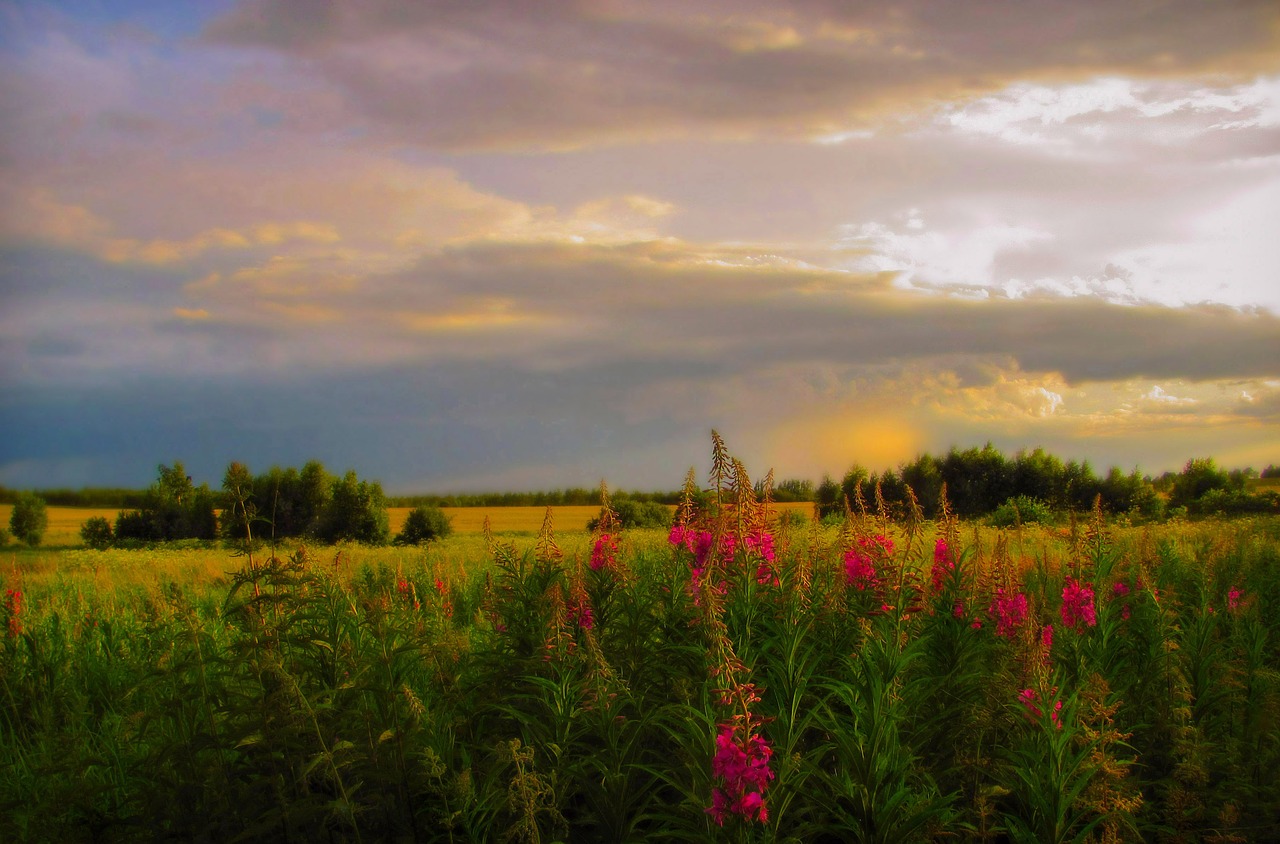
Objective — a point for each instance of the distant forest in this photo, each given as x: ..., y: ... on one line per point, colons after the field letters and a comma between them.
x: 978, y: 482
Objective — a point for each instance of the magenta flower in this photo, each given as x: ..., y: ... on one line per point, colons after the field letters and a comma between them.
x: 1008, y: 612
x: 604, y: 552
x: 1234, y: 596
x: 943, y: 564
x: 1077, y: 605
x: 1031, y: 698
x: 760, y: 542
x: 859, y: 571
x: 743, y: 770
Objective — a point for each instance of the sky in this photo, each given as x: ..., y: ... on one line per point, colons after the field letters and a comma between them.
x: 465, y: 246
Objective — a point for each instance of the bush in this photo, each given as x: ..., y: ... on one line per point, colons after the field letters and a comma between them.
x: 424, y: 524
x: 96, y: 533
x: 4, y: 537
x: 792, y: 520
x: 30, y: 519
x: 1021, y: 510
x: 637, y: 514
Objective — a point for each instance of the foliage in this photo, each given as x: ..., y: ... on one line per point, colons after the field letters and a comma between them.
x: 1021, y: 510
x: 29, y: 519
x: 1198, y: 477
x: 424, y: 523
x: 356, y: 511
x: 172, y: 508
x: 880, y: 681
x: 96, y: 533
x: 632, y: 514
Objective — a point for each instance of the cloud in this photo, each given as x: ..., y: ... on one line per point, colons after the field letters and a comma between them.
x: 497, y: 75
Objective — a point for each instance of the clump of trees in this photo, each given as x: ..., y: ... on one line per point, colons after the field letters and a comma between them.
x: 29, y: 520
x: 984, y: 483
x: 291, y: 503
x: 171, y: 508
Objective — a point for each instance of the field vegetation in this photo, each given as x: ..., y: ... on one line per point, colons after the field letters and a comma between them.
x: 737, y: 676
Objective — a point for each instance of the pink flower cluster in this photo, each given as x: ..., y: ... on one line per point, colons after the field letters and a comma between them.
x: 859, y: 563
x: 1077, y: 605
x: 604, y: 552
x: 1119, y: 590
x: 760, y: 543
x: 944, y: 563
x: 1008, y: 612
x: 579, y: 612
x: 743, y: 770
x: 1031, y: 698
x: 1234, y: 598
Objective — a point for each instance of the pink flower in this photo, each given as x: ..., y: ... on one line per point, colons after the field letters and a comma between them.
x: 580, y: 614
x: 859, y: 571
x: 1008, y: 612
x: 743, y: 770
x: 604, y: 552
x: 1030, y: 698
x: 1234, y: 596
x: 943, y: 564
x: 761, y: 542
x: 1120, y: 590
x: 1077, y: 605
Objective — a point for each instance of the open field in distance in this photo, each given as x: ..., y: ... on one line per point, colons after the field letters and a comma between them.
x: 65, y: 522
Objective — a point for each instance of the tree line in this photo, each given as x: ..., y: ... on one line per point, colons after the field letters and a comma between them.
x: 982, y: 482
x: 281, y: 503
x: 309, y: 502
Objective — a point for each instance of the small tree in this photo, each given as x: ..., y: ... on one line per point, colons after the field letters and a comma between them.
x: 96, y: 533
x: 30, y: 519
x: 356, y: 511
x: 424, y: 524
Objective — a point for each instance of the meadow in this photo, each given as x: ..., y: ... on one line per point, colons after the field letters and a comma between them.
x: 736, y: 678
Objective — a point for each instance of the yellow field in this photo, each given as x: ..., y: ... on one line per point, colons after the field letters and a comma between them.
x: 65, y: 522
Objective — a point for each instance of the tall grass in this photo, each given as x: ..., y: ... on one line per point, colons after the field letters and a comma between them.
x: 876, y: 682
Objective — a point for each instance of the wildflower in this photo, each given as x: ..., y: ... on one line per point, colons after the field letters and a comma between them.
x: 859, y: 571
x: 13, y: 612
x: 1008, y: 612
x: 943, y: 564
x: 604, y: 552
x: 760, y: 542
x: 1234, y: 596
x: 579, y: 612
x: 1077, y: 605
x: 742, y: 766
x: 1031, y: 698
x: 1121, y: 590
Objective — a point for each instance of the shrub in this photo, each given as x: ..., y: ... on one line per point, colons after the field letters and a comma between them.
x: 792, y: 520
x: 29, y: 519
x: 1021, y: 510
x: 424, y: 524
x: 637, y: 514
x: 96, y: 533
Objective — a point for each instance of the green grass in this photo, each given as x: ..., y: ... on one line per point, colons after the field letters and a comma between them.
x: 455, y: 692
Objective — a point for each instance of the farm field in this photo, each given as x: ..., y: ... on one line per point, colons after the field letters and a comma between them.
x: 65, y: 522
x: 920, y: 681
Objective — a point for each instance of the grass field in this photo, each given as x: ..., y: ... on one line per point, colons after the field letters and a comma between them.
x: 910, y: 682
